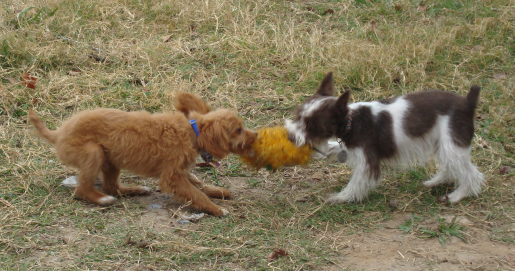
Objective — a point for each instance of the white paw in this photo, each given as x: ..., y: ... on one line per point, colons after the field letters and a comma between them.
x: 429, y: 183
x: 224, y: 212
x: 146, y: 190
x: 106, y: 200
x: 335, y: 198
x: 453, y: 197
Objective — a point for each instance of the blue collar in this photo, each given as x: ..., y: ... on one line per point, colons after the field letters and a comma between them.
x: 204, y: 154
x: 194, y: 126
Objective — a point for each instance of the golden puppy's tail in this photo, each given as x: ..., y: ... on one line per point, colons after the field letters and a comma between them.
x: 188, y: 102
x: 49, y: 135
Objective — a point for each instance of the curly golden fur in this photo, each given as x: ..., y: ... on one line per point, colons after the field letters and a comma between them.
x: 164, y: 146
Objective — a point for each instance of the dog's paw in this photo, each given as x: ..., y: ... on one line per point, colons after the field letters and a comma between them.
x: 145, y: 190
x: 452, y: 198
x: 106, y: 200
x: 224, y: 212
x: 335, y: 198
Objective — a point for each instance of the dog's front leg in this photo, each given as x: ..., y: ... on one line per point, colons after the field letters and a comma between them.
x: 178, y: 184
x: 210, y: 191
x: 364, y: 179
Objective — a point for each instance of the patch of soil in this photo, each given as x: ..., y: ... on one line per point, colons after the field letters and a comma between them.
x: 390, y: 249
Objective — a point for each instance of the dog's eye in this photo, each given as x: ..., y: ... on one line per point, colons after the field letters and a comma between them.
x: 239, y: 130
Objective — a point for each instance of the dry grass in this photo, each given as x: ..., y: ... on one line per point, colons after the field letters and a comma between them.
x: 260, y: 58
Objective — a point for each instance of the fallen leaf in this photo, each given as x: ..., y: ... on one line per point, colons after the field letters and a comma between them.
x: 317, y: 176
x: 276, y: 253
x: 421, y: 7
x: 398, y: 7
x: 329, y: 11
x: 310, y: 8
x: 144, y: 244
x: 35, y: 101
x: 29, y: 81
x: 100, y: 59
x: 373, y: 25
x: 73, y: 72
x: 504, y: 170
x: 166, y: 38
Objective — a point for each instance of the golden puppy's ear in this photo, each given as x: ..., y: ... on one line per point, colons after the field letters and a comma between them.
x: 188, y: 102
x: 214, y: 138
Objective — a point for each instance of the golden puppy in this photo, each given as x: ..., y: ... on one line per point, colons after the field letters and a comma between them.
x: 164, y: 146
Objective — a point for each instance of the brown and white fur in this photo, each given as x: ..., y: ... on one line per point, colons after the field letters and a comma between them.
x: 164, y: 146
x: 397, y: 131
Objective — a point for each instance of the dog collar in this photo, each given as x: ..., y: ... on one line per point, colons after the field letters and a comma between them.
x: 206, y: 156
x: 349, y: 123
x: 194, y: 126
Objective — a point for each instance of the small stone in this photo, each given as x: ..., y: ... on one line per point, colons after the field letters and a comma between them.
x: 154, y: 206
x: 317, y: 176
x: 183, y: 221
x: 460, y: 220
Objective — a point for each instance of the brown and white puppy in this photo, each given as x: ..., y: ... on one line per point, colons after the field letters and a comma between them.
x: 397, y: 131
x: 164, y: 146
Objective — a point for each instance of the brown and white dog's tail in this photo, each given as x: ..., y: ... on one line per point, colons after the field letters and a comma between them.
x: 187, y: 103
x: 473, y: 96
x: 41, y: 128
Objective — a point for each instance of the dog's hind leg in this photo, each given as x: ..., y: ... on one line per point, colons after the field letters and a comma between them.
x: 210, y: 191
x: 469, y: 180
x: 112, y: 186
x: 455, y: 165
x: 357, y: 189
x: 178, y: 184
x: 89, y: 161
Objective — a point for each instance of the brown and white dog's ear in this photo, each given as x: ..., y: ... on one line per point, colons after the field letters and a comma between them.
x: 214, y: 138
x: 187, y: 102
x: 341, y: 104
x: 326, y: 87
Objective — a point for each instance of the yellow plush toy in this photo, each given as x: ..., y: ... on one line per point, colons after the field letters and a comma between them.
x: 273, y: 150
